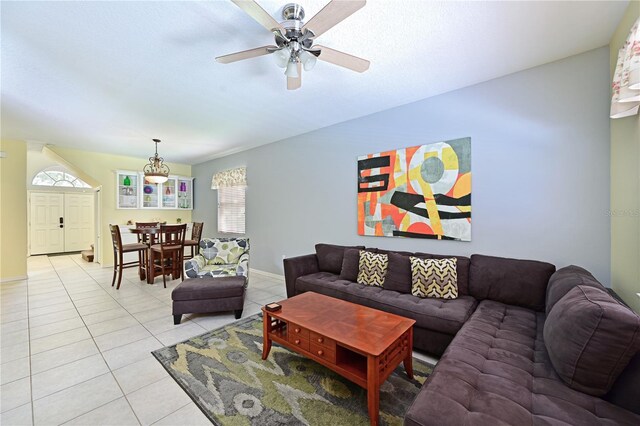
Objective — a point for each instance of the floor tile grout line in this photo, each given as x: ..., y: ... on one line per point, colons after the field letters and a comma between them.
x: 103, y: 360
x: 106, y: 403
x: 173, y: 412
x: 85, y: 412
x: 66, y: 363
x: 57, y: 332
x: 33, y: 417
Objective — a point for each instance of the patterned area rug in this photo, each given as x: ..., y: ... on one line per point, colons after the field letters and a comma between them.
x: 222, y: 371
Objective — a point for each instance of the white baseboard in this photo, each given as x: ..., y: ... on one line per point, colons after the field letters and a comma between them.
x: 267, y: 274
x: 19, y: 278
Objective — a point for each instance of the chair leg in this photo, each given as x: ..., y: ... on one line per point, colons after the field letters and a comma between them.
x: 151, y: 269
x: 119, y: 271
x: 181, y: 266
x: 145, y: 265
x: 115, y: 268
x: 164, y: 277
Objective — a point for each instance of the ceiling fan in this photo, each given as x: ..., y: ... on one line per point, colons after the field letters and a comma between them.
x: 294, y: 48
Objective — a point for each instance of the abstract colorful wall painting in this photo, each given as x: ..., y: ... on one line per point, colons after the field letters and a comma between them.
x: 418, y: 192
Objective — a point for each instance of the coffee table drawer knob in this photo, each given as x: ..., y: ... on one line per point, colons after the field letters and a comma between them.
x: 297, y: 341
x: 297, y: 330
x: 320, y: 340
x: 320, y: 353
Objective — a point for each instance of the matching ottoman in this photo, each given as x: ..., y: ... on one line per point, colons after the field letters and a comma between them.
x: 209, y: 294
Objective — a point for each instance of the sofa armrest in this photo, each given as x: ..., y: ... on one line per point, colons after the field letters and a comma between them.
x: 193, y: 266
x: 295, y: 267
x: 243, y: 265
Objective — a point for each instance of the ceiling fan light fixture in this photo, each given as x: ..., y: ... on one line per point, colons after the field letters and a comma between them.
x: 282, y: 57
x: 308, y: 60
x: 292, y: 68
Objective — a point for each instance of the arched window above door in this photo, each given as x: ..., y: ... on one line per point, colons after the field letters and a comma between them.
x: 55, y: 177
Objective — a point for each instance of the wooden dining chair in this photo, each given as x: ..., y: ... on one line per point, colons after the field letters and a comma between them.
x: 119, y: 249
x: 196, y: 236
x: 169, y: 253
x: 147, y: 239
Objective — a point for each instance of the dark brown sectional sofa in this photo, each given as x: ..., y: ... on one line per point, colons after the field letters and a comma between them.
x: 497, y: 357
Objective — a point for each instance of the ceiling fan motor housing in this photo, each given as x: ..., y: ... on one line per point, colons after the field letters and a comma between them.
x: 293, y: 11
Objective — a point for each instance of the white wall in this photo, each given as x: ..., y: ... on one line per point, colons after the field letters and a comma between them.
x: 540, y: 164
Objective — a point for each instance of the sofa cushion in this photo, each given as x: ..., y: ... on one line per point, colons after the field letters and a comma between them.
x: 398, y: 276
x: 350, y: 264
x: 591, y: 338
x: 220, y: 251
x: 372, y: 268
x: 330, y: 256
x: 496, y: 372
x: 435, y: 278
x: 445, y: 316
x: 564, y: 279
x: 511, y: 281
x: 209, y: 288
x: 462, y: 267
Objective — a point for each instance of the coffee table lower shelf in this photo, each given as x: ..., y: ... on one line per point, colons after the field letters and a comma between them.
x: 366, y: 370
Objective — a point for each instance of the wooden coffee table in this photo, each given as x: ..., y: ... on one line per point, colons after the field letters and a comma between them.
x: 361, y: 344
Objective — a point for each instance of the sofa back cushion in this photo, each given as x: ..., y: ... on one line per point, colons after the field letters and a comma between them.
x: 223, y: 251
x: 462, y: 268
x: 435, y: 278
x: 511, y: 281
x: 591, y: 338
x: 330, y: 257
x: 372, y: 268
x: 564, y: 279
x: 398, y: 276
x: 350, y: 264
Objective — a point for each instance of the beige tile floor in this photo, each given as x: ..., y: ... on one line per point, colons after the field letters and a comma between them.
x: 77, y: 351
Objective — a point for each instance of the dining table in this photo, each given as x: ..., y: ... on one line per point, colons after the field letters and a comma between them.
x: 150, y: 236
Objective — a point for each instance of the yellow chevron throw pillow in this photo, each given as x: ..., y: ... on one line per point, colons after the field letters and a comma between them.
x: 372, y: 268
x: 437, y: 278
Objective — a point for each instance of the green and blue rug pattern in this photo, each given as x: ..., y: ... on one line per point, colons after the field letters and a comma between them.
x: 223, y: 372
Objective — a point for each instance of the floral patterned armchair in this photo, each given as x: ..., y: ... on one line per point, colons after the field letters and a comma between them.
x: 220, y: 257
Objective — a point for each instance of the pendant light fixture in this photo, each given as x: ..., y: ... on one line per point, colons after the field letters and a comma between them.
x: 156, y: 171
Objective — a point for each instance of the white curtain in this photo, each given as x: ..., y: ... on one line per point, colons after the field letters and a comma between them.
x: 230, y: 178
x: 626, y: 79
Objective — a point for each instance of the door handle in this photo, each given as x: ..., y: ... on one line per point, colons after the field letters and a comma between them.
x: 61, y: 222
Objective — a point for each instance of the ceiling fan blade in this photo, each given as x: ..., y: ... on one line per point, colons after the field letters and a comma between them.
x: 342, y: 59
x: 254, y: 10
x: 333, y: 13
x: 246, y: 54
x: 295, y: 83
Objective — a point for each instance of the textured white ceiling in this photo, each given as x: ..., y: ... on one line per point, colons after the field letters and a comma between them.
x: 109, y: 76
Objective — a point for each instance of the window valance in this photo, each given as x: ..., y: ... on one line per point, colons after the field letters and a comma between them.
x: 626, y: 79
x: 229, y: 178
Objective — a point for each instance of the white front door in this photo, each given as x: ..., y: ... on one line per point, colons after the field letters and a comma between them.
x: 78, y: 222
x: 47, y: 231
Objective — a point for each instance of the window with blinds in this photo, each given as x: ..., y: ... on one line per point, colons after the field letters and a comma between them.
x: 231, y: 216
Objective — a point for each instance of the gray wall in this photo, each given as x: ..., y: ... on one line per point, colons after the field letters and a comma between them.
x: 540, y: 164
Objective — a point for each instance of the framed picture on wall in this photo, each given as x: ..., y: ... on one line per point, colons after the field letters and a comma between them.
x: 417, y: 192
